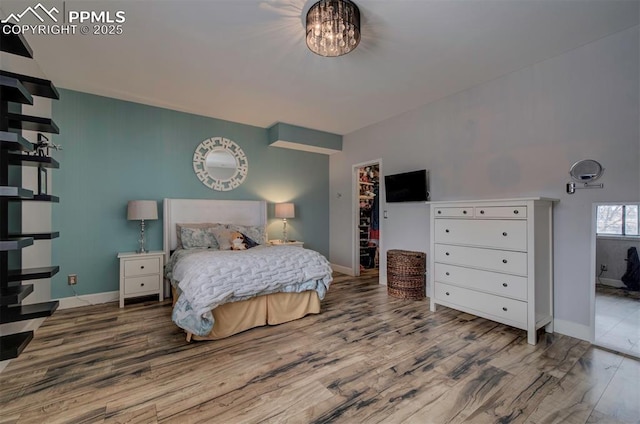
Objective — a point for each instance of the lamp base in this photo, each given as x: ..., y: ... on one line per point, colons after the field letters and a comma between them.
x: 141, y: 249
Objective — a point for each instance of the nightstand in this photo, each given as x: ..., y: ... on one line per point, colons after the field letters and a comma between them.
x: 141, y: 275
x: 286, y: 243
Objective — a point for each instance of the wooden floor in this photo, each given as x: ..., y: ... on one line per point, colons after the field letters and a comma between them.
x: 367, y: 358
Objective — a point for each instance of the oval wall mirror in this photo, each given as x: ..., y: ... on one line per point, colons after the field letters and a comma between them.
x: 586, y: 170
x: 220, y: 164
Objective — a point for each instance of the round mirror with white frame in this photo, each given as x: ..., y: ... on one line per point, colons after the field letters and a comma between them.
x: 220, y: 164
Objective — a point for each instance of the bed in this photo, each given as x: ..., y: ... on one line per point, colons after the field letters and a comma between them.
x: 218, y: 293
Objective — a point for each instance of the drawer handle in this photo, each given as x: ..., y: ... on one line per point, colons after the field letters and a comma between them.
x: 504, y: 234
x: 141, y: 266
x: 504, y: 309
x: 439, y: 212
x: 504, y: 261
x: 141, y: 284
x: 482, y: 212
x: 446, y: 273
x: 515, y: 211
x: 504, y: 284
x: 446, y: 253
x: 447, y: 293
x: 446, y: 231
x: 464, y: 212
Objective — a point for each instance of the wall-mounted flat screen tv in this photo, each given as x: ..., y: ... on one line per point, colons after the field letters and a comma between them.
x: 407, y: 187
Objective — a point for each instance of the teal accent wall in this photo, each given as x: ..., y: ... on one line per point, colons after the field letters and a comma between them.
x: 116, y: 151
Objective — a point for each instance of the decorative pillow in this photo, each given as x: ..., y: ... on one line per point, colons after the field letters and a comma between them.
x: 223, y: 236
x: 249, y: 242
x: 255, y: 232
x: 198, y: 238
x: 179, y: 228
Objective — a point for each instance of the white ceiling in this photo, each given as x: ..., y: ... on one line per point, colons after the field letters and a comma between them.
x: 246, y: 60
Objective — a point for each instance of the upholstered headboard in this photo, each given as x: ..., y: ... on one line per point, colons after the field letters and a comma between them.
x: 179, y: 211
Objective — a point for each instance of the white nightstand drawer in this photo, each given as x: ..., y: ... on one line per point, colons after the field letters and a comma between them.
x: 488, y: 259
x: 462, y: 212
x: 492, y: 282
x: 134, y: 267
x: 501, y: 234
x: 496, y: 307
x: 147, y: 283
x: 501, y: 212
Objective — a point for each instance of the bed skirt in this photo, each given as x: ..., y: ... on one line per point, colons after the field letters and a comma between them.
x: 271, y: 309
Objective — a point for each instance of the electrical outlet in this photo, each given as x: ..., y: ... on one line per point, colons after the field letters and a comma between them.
x: 72, y: 279
x: 603, y: 267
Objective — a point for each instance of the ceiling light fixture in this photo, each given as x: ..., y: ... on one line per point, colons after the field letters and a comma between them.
x: 333, y: 27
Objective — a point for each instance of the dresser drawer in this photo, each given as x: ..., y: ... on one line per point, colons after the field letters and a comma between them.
x: 487, y: 259
x: 495, y: 307
x: 461, y: 212
x: 133, y: 267
x: 501, y: 212
x: 492, y: 282
x: 141, y: 284
x: 500, y: 234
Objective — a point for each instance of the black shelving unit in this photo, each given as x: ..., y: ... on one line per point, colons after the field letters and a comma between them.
x: 15, y: 43
x: 14, y: 141
x: 19, y: 89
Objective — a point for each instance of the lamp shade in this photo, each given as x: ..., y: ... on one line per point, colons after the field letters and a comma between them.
x: 142, y: 209
x: 285, y: 210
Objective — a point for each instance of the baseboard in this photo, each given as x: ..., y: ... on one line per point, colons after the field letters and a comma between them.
x: 88, y: 299
x: 611, y: 282
x: 342, y: 269
x: 568, y: 328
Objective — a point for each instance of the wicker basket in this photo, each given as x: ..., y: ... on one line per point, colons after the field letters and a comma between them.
x: 406, y: 274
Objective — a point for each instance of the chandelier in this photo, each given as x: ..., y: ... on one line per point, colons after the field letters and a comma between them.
x: 333, y: 27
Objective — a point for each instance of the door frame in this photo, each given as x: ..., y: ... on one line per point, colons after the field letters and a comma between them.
x: 593, y: 265
x: 355, y: 212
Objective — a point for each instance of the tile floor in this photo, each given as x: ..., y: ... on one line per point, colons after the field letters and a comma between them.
x: 618, y: 319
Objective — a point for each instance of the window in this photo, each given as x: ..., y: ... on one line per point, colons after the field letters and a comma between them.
x: 617, y: 220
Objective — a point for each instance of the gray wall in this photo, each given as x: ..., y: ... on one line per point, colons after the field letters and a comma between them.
x: 612, y: 251
x: 514, y: 136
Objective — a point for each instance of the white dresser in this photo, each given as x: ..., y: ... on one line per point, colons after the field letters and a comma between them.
x: 494, y: 259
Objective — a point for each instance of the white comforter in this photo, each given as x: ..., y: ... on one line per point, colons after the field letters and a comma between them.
x: 211, y: 278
